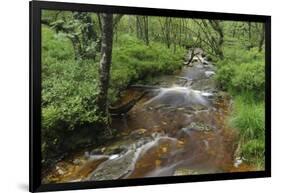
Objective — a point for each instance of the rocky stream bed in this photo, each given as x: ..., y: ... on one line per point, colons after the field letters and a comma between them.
x: 178, y: 128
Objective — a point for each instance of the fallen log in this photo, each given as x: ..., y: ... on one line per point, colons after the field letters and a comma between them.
x: 121, y: 110
x: 143, y: 87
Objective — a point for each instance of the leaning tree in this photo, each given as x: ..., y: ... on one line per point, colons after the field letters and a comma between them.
x: 104, y: 68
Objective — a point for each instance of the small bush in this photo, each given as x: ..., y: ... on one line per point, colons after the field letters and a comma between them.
x: 249, y: 77
x: 242, y: 71
x: 70, y: 87
x: 224, y: 76
x: 55, y: 46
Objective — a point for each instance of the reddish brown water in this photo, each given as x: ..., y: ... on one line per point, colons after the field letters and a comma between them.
x: 161, y: 140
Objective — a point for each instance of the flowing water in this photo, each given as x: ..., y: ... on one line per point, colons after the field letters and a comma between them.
x: 177, y: 129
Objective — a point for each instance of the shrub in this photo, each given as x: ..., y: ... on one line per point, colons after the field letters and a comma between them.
x: 249, y: 77
x: 224, y: 76
x: 68, y: 103
x: 70, y: 87
x: 242, y: 74
x: 55, y: 46
x: 242, y: 71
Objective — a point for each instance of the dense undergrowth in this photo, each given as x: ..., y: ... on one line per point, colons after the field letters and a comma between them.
x: 69, y: 87
x: 241, y: 73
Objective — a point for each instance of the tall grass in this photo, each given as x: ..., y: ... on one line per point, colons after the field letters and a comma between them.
x: 241, y: 73
x: 249, y: 118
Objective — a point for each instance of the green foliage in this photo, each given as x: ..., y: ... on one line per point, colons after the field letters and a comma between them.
x: 242, y: 71
x: 70, y: 87
x: 238, y: 54
x: 68, y: 100
x: 69, y: 91
x: 132, y: 60
x: 224, y: 76
x: 253, y: 151
x: 55, y: 46
x: 249, y: 77
x: 249, y: 118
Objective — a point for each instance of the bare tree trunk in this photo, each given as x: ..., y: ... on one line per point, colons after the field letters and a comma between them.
x: 262, y: 38
x: 166, y: 31
x: 104, y: 68
x: 180, y: 33
x: 131, y: 29
x: 138, y: 27
x: 250, y: 35
x: 216, y: 25
x: 146, y: 35
x: 142, y: 28
x: 99, y: 21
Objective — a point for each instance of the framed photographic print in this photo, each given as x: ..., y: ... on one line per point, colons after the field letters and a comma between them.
x: 123, y: 96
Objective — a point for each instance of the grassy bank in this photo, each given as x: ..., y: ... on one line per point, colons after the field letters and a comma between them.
x: 241, y: 73
x: 248, y: 117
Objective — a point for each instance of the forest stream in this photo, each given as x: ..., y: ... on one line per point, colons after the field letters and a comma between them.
x: 178, y: 128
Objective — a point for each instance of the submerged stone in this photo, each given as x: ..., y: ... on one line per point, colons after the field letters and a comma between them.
x: 182, y: 171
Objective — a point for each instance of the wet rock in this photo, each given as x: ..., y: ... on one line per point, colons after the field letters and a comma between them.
x: 96, y: 151
x: 182, y: 171
x: 199, y: 107
x: 113, y: 156
x: 109, y: 150
x: 76, y: 161
x: 114, y: 168
x: 197, y: 126
x: 238, y: 161
x: 98, y: 157
x: 136, y: 134
x: 209, y: 74
x: 183, y: 132
x: 207, y: 84
x: 59, y: 170
x: 117, y: 150
x: 222, y: 95
x: 86, y: 154
x: 205, y: 62
x: 206, y: 143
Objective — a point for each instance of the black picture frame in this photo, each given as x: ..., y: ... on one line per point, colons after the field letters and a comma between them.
x: 35, y: 95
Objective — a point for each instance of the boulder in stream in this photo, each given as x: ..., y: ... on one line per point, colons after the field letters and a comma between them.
x: 114, y: 168
x: 182, y: 171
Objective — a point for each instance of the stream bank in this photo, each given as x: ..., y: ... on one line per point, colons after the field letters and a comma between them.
x: 178, y: 128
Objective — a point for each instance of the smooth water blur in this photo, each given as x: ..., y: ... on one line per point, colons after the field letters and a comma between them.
x: 178, y: 97
x: 178, y: 129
